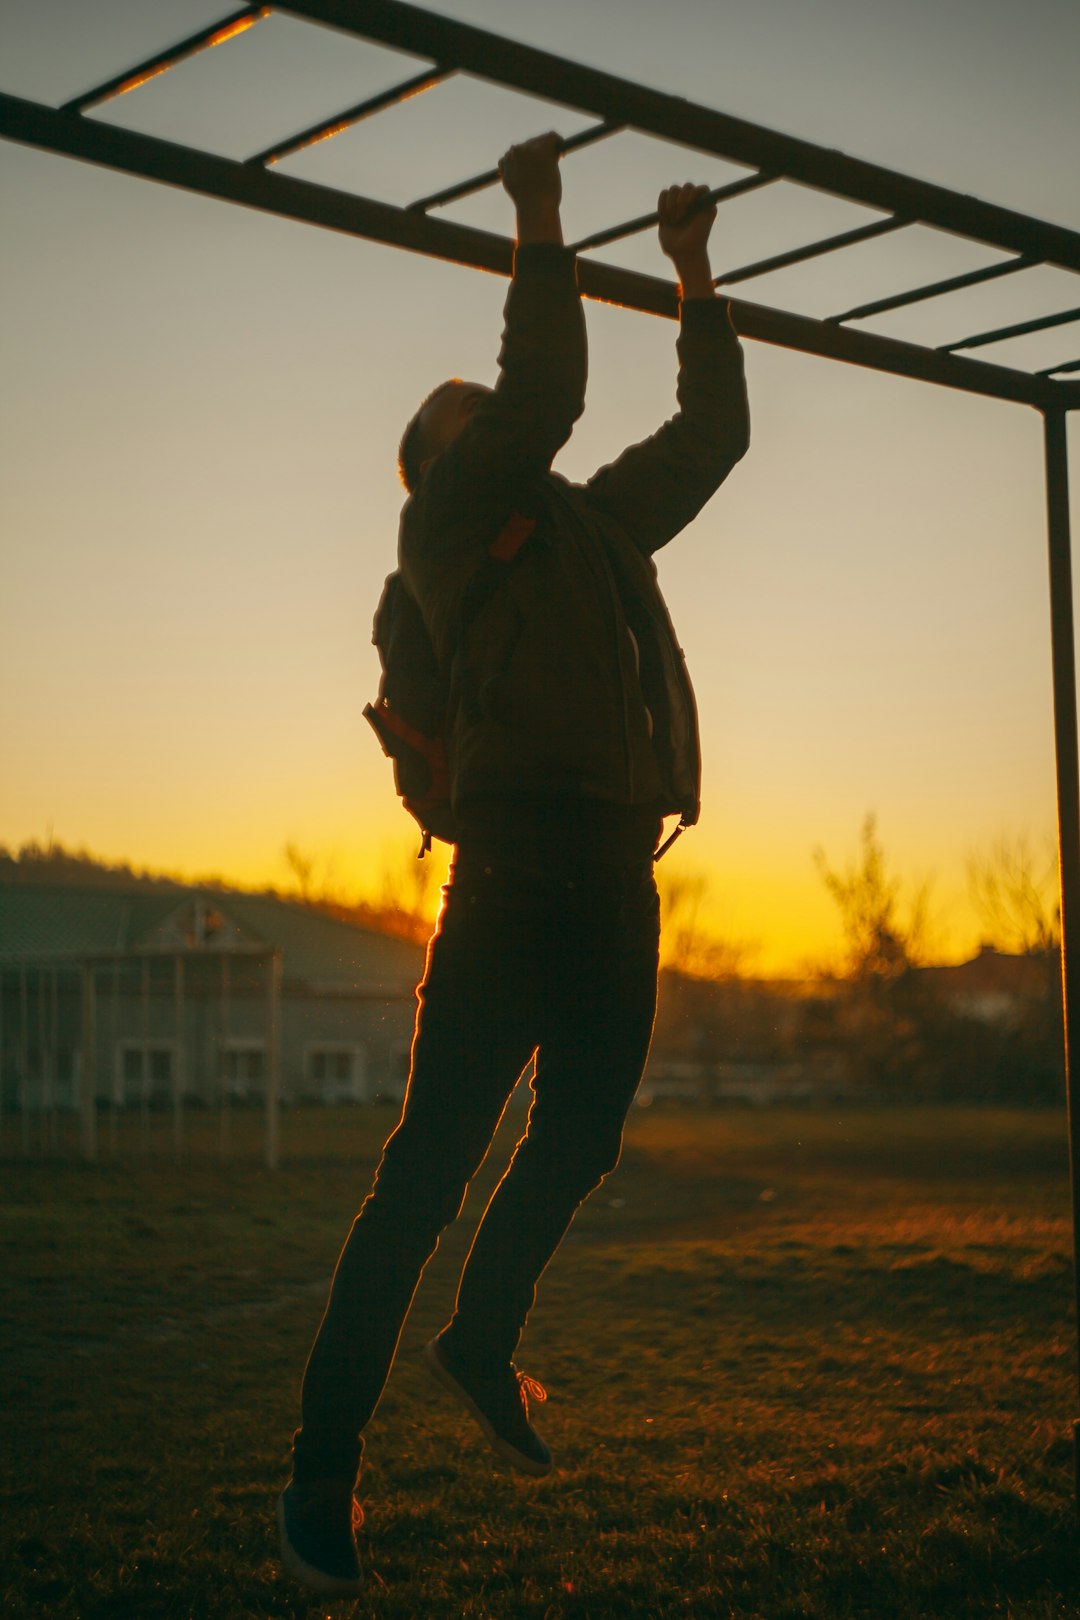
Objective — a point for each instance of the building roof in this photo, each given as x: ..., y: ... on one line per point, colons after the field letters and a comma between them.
x: 50, y: 920
x: 50, y: 923
x: 992, y: 973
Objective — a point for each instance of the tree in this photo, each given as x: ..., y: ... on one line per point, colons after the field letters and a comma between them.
x: 399, y: 897
x: 880, y: 946
x: 302, y: 868
x: 688, y: 945
x: 404, y: 897
x: 1015, y: 894
x: 888, y: 1018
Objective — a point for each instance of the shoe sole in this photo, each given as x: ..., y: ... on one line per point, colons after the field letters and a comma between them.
x: 316, y: 1580
x: 502, y: 1448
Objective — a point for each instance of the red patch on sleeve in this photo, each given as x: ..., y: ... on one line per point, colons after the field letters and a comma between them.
x: 511, y: 537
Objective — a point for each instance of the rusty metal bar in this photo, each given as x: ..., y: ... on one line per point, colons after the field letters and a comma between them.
x: 653, y: 112
x: 215, y: 34
x: 480, y: 182
x: 1019, y: 329
x: 935, y: 289
x: 277, y: 193
x: 813, y: 250
x: 631, y: 227
x: 327, y: 127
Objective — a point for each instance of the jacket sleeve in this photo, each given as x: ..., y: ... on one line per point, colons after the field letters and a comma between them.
x: 655, y: 488
x: 514, y: 433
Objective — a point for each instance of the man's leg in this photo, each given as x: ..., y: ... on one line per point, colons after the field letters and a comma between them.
x: 599, y: 1002
x: 472, y: 1041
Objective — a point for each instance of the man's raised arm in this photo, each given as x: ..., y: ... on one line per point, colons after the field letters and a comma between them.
x: 657, y: 487
x: 514, y: 430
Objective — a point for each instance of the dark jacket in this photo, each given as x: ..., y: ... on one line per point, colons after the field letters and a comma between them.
x: 567, y: 679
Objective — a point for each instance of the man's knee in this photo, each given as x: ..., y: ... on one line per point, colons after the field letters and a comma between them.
x: 576, y: 1159
x: 425, y: 1178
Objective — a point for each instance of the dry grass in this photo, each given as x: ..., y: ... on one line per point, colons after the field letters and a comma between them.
x: 800, y: 1367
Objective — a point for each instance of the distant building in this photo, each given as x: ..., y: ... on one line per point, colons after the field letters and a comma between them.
x: 169, y: 996
x: 757, y: 1041
x: 994, y: 987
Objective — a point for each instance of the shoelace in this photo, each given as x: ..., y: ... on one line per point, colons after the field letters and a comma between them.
x: 529, y: 1386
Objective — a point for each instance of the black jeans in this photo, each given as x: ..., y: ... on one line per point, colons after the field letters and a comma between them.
x: 562, y: 963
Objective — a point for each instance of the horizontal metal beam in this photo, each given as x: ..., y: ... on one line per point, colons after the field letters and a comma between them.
x: 812, y: 250
x: 214, y: 34
x: 536, y: 72
x: 480, y: 182
x: 934, y: 289
x: 326, y: 127
x: 1042, y: 323
x: 209, y: 175
x: 631, y: 227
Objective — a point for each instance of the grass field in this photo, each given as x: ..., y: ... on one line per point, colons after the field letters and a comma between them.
x: 800, y: 1367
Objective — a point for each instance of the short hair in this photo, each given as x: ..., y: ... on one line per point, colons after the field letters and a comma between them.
x: 414, y: 448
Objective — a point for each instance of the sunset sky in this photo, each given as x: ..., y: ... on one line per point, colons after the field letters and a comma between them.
x: 201, y: 407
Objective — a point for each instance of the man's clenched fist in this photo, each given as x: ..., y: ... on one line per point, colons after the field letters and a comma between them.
x: 685, y: 217
x: 685, y: 220
x: 530, y: 171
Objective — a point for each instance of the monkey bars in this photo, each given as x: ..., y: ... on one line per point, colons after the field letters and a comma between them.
x: 615, y: 106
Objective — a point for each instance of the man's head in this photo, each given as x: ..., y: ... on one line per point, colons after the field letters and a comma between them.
x: 436, y: 424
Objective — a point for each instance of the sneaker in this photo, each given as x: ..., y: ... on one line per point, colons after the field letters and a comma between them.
x: 499, y: 1402
x: 317, y: 1526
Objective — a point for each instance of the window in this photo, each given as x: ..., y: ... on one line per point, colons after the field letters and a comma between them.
x: 243, y: 1069
x: 335, y: 1072
x: 144, y: 1072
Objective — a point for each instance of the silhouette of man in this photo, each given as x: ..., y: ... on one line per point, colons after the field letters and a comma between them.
x: 571, y: 734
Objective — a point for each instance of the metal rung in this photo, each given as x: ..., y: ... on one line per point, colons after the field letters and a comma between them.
x: 328, y: 127
x: 216, y: 34
x: 480, y: 182
x: 631, y: 227
x: 1052, y: 371
x: 915, y: 295
x: 1003, y: 332
x: 208, y: 175
x: 813, y: 250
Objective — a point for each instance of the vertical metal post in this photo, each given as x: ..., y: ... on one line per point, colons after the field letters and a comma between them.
x: 88, y: 1099
x: 54, y: 1032
x: 48, y: 1076
x: 112, y: 1045
x: 44, y: 1086
x: 24, y: 1063
x: 273, y: 1056
x: 1, y: 1059
x: 223, y: 1056
x: 1068, y: 802
x: 144, y: 1061
x: 178, y: 1063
